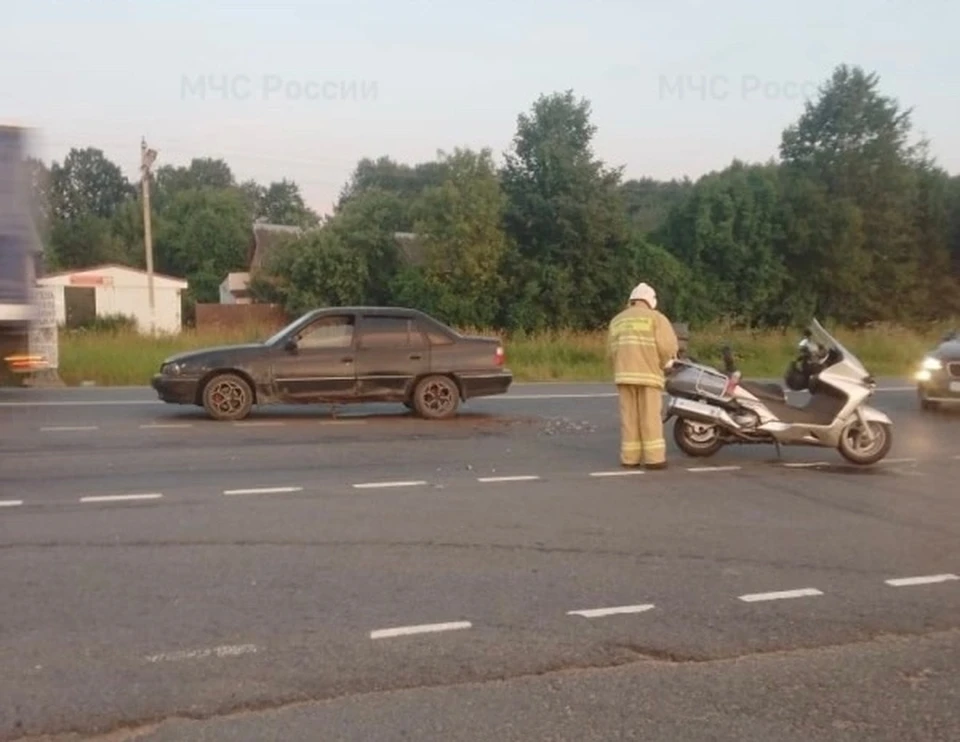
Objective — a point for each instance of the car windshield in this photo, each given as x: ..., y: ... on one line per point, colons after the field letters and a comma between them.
x: 275, y: 338
x: 820, y: 335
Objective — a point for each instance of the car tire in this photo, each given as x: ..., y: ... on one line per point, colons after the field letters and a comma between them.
x: 227, y: 397
x: 436, y: 398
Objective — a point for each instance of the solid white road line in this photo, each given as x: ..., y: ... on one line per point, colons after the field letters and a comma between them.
x: 617, y: 610
x: 263, y: 491
x: 783, y: 595
x: 164, y: 426
x: 377, y: 485
x: 121, y: 498
x: 423, y: 629
x: 226, y: 650
x: 68, y: 428
x: 621, y: 473
x: 518, y: 478
x: 927, y: 580
x: 10, y: 503
x: 712, y: 468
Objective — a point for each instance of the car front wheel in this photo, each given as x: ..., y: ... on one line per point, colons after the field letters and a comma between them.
x: 436, y: 398
x: 227, y: 397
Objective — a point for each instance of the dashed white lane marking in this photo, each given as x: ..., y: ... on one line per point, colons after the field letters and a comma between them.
x: 517, y: 478
x: 422, y: 629
x: 226, y: 650
x: 377, y: 485
x: 122, y: 498
x: 908, y: 460
x: 164, y: 426
x: 925, y: 580
x: 260, y: 424
x: 782, y: 595
x: 10, y: 503
x: 616, y: 610
x: 68, y: 428
x: 712, y: 468
x: 263, y: 491
x: 805, y: 464
x: 621, y: 473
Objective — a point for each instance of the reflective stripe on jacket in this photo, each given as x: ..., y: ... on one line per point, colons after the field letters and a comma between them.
x: 641, y: 341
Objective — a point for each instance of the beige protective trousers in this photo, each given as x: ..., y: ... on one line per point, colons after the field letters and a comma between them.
x: 641, y: 427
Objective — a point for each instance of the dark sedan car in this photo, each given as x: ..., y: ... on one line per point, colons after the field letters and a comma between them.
x: 339, y: 356
x: 938, y: 380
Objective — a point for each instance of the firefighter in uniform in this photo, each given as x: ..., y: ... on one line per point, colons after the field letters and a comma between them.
x: 642, y: 343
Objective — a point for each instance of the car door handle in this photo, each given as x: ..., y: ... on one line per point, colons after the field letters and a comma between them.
x: 415, y: 357
x: 348, y: 359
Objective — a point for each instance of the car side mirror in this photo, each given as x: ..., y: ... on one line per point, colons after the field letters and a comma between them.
x: 290, y: 346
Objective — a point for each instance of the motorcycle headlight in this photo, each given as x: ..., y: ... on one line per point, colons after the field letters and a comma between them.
x: 931, y: 364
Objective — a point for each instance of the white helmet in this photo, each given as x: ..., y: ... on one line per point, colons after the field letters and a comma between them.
x: 644, y: 292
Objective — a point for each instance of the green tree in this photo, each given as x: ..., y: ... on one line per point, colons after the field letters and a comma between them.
x: 385, y: 174
x: 648, y: 202
x: 282, y: 203
x: 202, y: 235
x: 460, y: 225
x: 314, y: 271
x: 854, y: 144
x: 87, y: 184
x: 724, y: 232
x: 566, y: 219
x: 366, y: 224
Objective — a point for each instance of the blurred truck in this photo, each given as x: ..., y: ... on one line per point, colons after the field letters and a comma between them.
x: 19, y: 249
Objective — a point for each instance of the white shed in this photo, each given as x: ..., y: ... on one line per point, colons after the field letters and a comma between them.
x: 114, y: 289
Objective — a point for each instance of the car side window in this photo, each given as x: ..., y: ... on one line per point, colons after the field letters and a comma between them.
x: 434, y: 335
x: 390, y: 332
x: 327, y: 332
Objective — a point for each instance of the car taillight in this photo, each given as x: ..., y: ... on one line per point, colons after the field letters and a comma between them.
x: 500, y: 356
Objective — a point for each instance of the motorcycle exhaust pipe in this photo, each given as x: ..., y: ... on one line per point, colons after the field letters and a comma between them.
x: 699, y: 412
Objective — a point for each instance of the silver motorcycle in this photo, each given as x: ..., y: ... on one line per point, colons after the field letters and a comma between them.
x: 714, y: 409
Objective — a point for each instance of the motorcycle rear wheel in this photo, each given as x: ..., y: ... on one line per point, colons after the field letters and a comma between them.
x: 859, y: 452
x: 697, y: 439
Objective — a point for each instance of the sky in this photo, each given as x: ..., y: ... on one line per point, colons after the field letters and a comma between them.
x: 303, y: 90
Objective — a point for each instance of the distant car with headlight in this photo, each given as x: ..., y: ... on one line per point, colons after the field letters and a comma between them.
x: 938, y: 379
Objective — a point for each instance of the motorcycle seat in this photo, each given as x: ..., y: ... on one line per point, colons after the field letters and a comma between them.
x: 770, y: 392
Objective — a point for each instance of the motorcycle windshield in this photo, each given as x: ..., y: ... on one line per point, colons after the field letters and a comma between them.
x: 824, y: 338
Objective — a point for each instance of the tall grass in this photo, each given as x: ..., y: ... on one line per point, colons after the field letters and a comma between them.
x: 124, y: 358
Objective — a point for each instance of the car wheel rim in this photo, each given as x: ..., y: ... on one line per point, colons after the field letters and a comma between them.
x: 228, y: 397
x: 438, y: 397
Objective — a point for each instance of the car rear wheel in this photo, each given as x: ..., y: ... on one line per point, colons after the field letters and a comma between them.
x: 436, y: 398
x: 227, y: 397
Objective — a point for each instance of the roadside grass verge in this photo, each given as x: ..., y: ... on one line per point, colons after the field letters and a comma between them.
x: 123, y: 358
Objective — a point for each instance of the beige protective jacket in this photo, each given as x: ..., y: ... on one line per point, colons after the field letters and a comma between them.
x: 641, y: 342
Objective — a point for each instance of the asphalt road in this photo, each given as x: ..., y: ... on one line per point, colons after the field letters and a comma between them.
x: 378, y: 577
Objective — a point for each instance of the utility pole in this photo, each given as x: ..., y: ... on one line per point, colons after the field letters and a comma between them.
x: 147, y: 157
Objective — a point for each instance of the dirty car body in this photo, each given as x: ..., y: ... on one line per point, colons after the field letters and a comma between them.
x: 338, y: 356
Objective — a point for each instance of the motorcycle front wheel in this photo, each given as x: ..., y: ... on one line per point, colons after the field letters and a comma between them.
x: 697, y: 439
x: 855, y: 447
